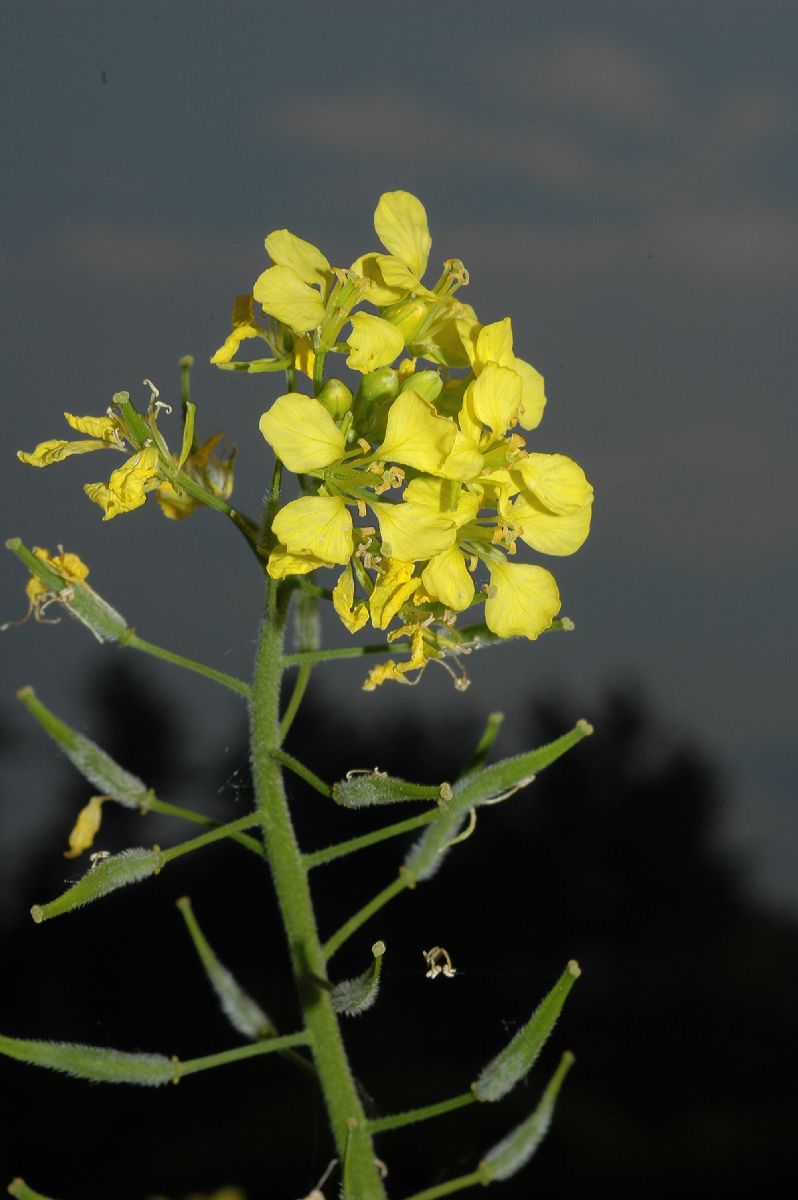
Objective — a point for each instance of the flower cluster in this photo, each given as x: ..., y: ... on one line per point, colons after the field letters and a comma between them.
x: 418, y: 473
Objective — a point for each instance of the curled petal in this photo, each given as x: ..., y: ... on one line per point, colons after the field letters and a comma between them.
x: 302, y: 433
x: 533, y: 395
x: 378, y: 292
x: 244, y: 326
x: 444, y: 497
x: 353, y: 616
x: 56, y: 450
x: 128, y: 486
x: 523, y: 600
x: 282, y: 563
x: 394, y: 587
x: 106, y: 428
x: 86, y: 827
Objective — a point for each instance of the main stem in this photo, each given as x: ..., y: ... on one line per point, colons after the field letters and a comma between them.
x: 290, y: 875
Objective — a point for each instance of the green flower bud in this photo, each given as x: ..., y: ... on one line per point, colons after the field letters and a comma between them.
x: 92, y: 1062
x: 518, y: 1057
x: 407, y: 315
x: 426, y: 384
x: 104, y: 876
x: 336, y: 398
x: 378, y: 387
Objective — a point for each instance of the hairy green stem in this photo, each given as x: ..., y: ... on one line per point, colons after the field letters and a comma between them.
x: 299, y: 769
x: 339, y: 849
x: 153, y: 804
x: 292, y: 707
x: 317, y: 656
x: 251, y: 1050
x: 398, y: 1120
x: 349, y: 927
x: 453, y: 1185
x: 133, y: 640
x: 290, y: 877
x: 207, y: 839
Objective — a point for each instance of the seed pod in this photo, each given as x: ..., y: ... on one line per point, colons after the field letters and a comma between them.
x: 518, y: 1057
x: 362, y: 788
x: 92, y: 762
x: 114, y: 872
x: 243, y: 1013
x: 92, y: 1062
x: 514, y: 1152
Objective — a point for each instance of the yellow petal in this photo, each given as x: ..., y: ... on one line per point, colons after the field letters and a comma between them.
x: 443, y: 497
x: 128, y: 486
x: 285, y: 296
x: 320, y: 526
x: 464, y: 460
x: 401, y: 225
x: 302, y: 433
x: 411, y: 532
x: 548, y: 532
x: 556, y: 481
x: 533, y: 396
x: 394, y: 587
x: 494, y: 397
x: 174, y: 504
x: 446, y: 577
x: 287, y: 250
x: 415, y: 435
x: 400, y: 277
x: 86, y: 826
x: 523, y: 600
x: 353, y: 616
x: 105, y: 428
x: 281, y: 563
x: 372, y: 343
x: 56, y: 450
x: 378, y: 293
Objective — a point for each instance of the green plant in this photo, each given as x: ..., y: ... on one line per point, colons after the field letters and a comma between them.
x: 429, y: 460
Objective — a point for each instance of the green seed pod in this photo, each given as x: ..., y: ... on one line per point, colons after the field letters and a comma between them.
x: 426, y: 384
x: 81, y: 601
x: 493, y: 782
x: 92, y: 1062
x: 351, y: 997
x: 336, y: 398
x: 92, y: 762
x: 19, y: 1188
x: 515, y: 1061
x: 363, y: 788
x: 105, y: 876
x: 243, y: 1013
x: 514, y: 1152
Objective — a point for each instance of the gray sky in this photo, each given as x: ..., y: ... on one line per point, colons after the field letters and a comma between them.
x: 620, y: 178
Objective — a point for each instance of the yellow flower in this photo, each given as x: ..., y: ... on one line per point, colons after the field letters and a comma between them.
x: 285, y: 249
x: 409, y: 531
x: 215, y: 474
x: 69, y: 566
x: 523, y: 600
x: 302, y: 433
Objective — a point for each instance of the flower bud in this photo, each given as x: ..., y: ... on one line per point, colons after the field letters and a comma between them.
x: 426, y: 384
x: 336, y: 398
x: 105, y: 876
x: 407, y: 315
x: 378, y: 386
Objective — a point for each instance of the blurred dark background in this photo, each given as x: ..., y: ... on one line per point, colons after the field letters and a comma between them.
x: 621, y: 179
